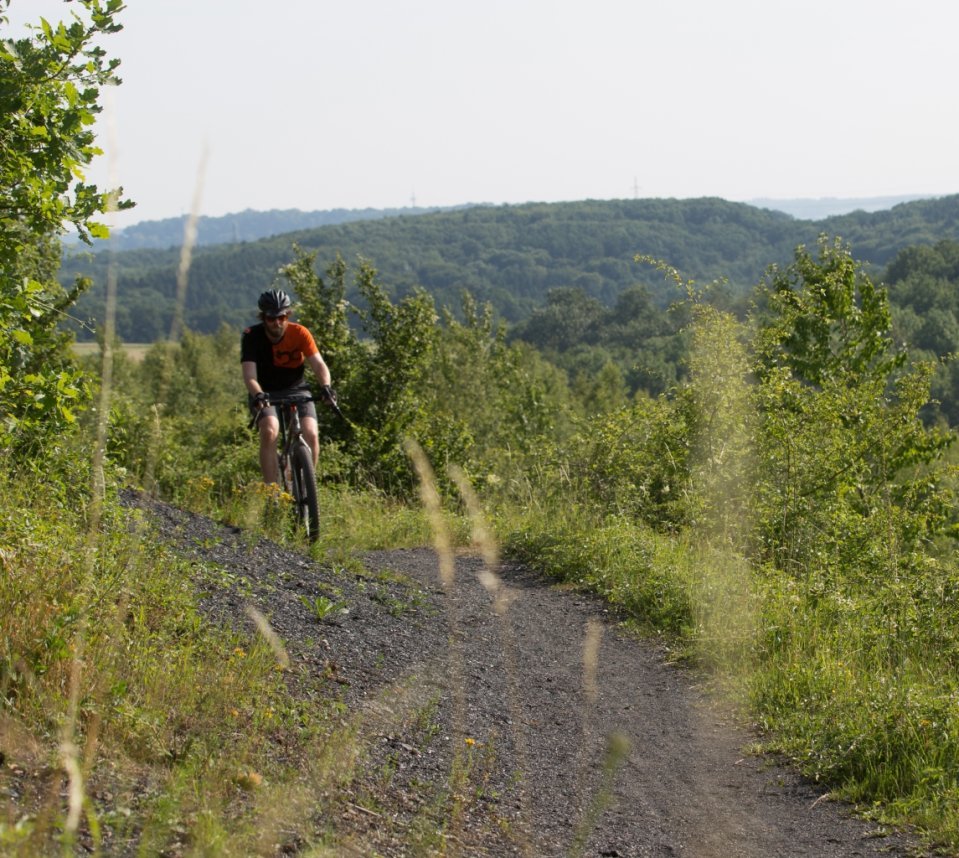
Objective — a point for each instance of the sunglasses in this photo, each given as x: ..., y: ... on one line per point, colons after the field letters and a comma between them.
x: 281, y: 318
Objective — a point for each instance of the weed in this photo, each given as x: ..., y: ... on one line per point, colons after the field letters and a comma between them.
x: 396, y: 607
x: 322, y: 607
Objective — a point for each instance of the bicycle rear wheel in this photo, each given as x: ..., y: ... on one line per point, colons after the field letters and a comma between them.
x: 304, y: 492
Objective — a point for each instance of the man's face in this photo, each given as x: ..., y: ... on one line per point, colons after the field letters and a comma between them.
x: 276, y: 326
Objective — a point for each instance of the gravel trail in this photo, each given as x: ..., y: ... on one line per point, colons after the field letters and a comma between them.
x: 514, y: 717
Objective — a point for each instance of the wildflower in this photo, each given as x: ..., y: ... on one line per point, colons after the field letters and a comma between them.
x: 249, y: 780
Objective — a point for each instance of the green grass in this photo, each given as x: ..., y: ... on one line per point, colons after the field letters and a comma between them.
x: 864, y: 695
x: 172, y: 723
x: 666, y: 585
x: 350, y: 520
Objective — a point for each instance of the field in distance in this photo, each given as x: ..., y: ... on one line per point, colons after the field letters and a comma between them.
x: 134, y: 351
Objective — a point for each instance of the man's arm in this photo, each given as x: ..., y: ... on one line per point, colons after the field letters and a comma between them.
x: 249, y: 377
x: 320, y: 369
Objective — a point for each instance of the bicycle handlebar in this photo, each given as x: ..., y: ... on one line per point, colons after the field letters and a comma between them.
x: 295, y: 398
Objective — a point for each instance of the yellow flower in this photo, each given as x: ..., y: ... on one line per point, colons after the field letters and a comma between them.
x: 249, y: 780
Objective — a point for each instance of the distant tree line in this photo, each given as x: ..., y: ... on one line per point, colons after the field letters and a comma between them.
x: 564, y: 277
x: 508, y: 256
x: 644, y: 345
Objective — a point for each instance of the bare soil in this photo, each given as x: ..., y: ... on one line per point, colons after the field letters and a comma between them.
x: 515, y: 717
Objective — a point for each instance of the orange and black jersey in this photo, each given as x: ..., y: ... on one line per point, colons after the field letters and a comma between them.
x: 278, y: 365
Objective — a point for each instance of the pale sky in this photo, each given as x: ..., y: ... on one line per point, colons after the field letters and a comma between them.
x: 315, y: 104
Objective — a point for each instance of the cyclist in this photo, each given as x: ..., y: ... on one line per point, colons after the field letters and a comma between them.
x: 273, y: 357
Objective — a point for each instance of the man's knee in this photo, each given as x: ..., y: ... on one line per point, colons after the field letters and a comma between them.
x: 310, y: 431
x: 269, y: 432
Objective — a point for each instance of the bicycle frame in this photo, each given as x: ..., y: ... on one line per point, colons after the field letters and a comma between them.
x: 295, y: 462
x: 291, y: 432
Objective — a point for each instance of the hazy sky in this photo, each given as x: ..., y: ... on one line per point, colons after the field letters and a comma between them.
x: 315, y: 104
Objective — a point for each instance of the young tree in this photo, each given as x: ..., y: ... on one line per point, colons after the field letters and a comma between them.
x: 846, y: 486
x: 49, y: 97
x: 381, y: 375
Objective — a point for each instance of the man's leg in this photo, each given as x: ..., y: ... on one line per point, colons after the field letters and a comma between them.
x: 311, y: 435
x: 269, y: 431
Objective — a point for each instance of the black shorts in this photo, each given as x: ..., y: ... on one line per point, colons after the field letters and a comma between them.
x: 306, y: 409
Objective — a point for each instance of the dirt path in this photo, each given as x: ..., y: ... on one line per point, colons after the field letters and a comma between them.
x: 569, y: 737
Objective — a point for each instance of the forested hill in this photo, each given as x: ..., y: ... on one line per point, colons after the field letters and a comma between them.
x: 510, y: 256
x: 249, y: 225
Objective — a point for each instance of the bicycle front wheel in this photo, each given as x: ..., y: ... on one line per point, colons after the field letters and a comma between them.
x: 285, y: 471
x: 304, y: 492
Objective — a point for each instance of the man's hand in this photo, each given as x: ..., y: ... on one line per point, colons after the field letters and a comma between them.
x: 328, y: 395
x: 261, y: 400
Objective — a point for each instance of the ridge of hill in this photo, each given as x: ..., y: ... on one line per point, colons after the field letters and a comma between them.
x: 510, y: 256
x: 254, y: 224
x: 237, y: 227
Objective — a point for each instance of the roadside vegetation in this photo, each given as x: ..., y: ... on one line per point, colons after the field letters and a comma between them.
x: 781, y: 511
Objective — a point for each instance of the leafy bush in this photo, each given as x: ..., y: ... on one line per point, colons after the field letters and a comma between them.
x: 633, y: 462
x: 49, y: 91
x: 846, y: 486
x: 455, y: 387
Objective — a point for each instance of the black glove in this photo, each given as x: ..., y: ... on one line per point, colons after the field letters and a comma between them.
x: 328, y: 395
x: 261, y: 400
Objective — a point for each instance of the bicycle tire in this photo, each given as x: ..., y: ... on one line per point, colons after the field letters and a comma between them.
x: 304, y: 492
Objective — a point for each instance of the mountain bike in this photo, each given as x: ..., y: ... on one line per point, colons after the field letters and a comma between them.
x: 295, y: 460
